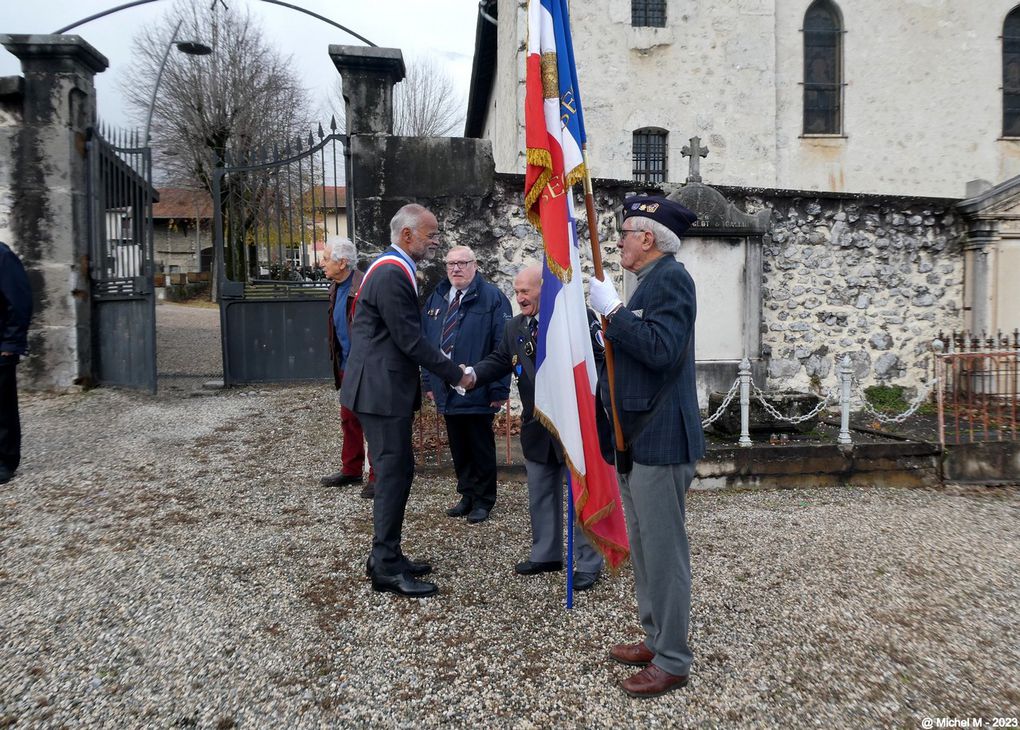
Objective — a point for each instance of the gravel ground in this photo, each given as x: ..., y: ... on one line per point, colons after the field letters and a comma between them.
x: 172, y: 562
x: 188, y: 349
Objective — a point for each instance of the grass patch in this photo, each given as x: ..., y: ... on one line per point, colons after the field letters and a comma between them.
x: 892, y: 400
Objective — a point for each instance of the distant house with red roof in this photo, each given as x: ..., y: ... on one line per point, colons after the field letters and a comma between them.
x: 182, y: 231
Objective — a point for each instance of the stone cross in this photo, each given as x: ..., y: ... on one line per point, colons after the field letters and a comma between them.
x: 694, y: 151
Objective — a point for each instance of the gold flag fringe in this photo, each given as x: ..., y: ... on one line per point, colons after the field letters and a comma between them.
x: 539, y: 158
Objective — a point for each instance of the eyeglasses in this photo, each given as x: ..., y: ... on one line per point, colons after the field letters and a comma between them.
x: 459, y: 264
x: 625, y: 231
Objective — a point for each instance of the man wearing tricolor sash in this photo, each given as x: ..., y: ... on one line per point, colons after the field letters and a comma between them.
x: 382, y: 386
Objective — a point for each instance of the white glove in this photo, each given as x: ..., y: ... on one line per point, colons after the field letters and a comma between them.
x: 469, y: 374
x: 602, y: 296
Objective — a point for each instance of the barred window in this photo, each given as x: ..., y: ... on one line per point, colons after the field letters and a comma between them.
x: 1011, y: 75
x: 650, y: 152
x: 823, y: 69
x: 650, y: 13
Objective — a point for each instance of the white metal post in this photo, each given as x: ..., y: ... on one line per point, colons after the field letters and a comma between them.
x: 845, y: 375
x: 745, y: 402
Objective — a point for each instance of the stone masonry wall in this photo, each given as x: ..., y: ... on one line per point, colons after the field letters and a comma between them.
x: 503, y: 239
x: 873, y: 277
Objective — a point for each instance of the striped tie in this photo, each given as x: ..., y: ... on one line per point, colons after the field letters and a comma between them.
x: 450, y: 325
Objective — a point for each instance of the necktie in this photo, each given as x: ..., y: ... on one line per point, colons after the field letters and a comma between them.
x: 450, y: 325
x: 533, y: 326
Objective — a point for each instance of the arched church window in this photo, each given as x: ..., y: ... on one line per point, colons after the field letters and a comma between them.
x: 648, y: 13
x: 1011, y: 74
x: 650, y: 150
x: 823, y: 69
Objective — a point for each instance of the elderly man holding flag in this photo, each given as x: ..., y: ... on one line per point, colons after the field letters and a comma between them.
x: 555, y: 142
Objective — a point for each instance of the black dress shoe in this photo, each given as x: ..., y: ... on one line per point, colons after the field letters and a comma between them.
x: 478, y: 514
x: 403, y: 585
x: 5, y: 474
x: 412, y: 568
x: 368, y: 491
x: 339, y: 479
x: 530, y: 568
x: 584, y: 581
x: 459, y: 510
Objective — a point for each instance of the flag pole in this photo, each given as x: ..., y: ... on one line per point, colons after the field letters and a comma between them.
x: 596, y: 257
x: 570, y: 542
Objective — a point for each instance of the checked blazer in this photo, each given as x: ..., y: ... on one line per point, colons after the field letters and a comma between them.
x: 653, y: 336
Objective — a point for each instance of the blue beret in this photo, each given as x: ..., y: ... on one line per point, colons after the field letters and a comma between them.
x: 662, y: 210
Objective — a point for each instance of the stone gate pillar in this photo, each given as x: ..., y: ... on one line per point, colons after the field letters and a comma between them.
x: 44, y: 186
x: 368, y: 76
x: 385, y: 172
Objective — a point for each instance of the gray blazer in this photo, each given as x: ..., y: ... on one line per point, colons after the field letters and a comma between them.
x: 388, y: 348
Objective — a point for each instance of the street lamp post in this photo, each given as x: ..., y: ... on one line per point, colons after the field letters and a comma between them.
x: 192, y: 48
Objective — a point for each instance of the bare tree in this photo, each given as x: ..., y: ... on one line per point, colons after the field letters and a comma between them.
x: 238, y: 105
x: 235, y: 102
x: 425, y: 103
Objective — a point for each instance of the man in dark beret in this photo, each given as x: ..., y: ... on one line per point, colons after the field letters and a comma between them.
x: 657, y: 402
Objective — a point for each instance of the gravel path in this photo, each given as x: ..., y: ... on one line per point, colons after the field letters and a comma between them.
x: 188, y: 347
x: 172, y: 562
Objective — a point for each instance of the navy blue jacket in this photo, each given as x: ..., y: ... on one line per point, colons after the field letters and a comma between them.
x: 653, y: 336
x: 15, y: 303
x: 484, y: 313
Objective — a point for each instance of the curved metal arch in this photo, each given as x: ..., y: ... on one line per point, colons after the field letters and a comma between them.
x: 136, y: 3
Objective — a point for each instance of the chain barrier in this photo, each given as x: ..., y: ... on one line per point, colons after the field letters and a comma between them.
x: 829, y: 398
x: 832, y: 397
x: 724, y: 405
x: 922, y: 396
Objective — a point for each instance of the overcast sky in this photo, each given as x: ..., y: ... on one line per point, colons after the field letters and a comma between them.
x: 442, y: 28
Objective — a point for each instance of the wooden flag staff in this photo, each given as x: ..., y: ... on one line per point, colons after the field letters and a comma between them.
x: 596, y: 257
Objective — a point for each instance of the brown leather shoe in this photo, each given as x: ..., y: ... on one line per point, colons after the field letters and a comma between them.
x: 652, y: 682
x: 636, y: 655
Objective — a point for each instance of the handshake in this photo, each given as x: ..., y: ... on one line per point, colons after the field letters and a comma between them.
x: 467, y: 381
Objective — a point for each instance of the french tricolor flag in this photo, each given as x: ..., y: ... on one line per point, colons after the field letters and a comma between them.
x: 566, y: 379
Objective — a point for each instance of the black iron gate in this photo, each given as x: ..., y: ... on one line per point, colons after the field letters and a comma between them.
x: 120, y: 197
x: 272, y: 213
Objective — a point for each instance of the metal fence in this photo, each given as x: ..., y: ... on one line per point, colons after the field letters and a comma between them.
x: 119, y: 205
x: 980, y: 378
x: 273, y: 209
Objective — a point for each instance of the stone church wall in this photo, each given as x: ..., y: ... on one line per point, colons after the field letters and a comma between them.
x: 732, y: 73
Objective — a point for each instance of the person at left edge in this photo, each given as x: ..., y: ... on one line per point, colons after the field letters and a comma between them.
x: 465, y: 316
x: 340, y: 267
x: 15, y: 313
x: 383, y: 387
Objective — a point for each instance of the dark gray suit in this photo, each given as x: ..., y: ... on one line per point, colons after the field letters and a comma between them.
x: 543, y: 457
x: 382, y: 386
x: 653, y: 344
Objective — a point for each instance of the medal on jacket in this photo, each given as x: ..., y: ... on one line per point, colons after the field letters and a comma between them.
x: 517, y: 367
